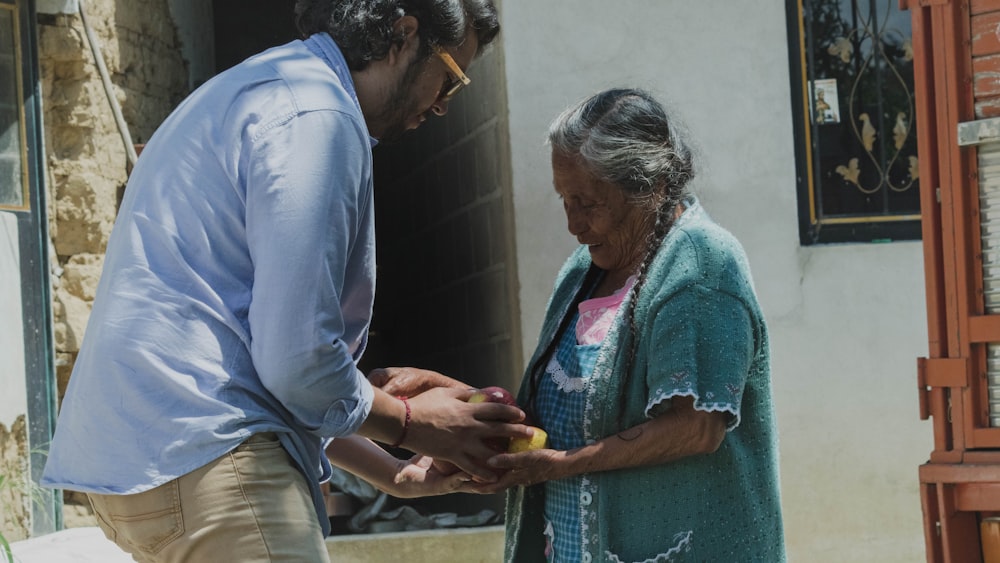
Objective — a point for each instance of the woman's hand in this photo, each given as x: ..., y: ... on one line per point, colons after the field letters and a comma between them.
x: 522, y: 468
x: 409, y: 382
x: 678, y: 433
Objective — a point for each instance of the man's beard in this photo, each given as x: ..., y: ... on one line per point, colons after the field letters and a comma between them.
x: 400, y: 105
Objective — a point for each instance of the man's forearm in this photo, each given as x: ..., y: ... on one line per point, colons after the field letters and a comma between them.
x: 365, y: 459
x: 387, y: 419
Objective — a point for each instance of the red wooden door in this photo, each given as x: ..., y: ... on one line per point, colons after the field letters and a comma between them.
x: 956, y: 64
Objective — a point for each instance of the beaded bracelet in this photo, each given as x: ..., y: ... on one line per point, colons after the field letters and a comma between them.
x: 406, y: 423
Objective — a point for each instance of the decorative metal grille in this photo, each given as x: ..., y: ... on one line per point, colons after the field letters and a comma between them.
x: 858, y: 124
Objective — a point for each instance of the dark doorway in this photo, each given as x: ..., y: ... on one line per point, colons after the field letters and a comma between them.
x: 247, y: 27
x: 446, y: 297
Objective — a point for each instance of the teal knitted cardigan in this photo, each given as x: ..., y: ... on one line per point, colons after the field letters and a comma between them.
x: 700, y: 333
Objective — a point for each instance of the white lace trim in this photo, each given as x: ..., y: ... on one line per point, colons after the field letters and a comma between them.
x: 588, y: 516
x: 563, y: 381
x: 660, y: 396
x: 682, y: 544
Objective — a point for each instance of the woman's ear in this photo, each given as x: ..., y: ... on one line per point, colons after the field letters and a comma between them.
x: 404, y: 37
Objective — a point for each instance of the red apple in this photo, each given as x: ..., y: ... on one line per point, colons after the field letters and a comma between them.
x: 499, y: 395
x: 493, y: 395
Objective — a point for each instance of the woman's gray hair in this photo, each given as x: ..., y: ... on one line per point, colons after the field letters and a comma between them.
x: 625, y: 137
x: 363, y: 28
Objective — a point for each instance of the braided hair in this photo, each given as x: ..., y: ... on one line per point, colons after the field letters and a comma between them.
x: 625, y: 137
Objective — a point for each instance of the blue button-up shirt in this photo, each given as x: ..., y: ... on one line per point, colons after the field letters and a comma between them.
x: 238, y: 283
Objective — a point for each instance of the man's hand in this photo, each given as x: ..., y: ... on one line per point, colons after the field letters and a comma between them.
x: 418, y: 477
x: 405, y: 478
x: 410, y: 382
x: 445, y: 426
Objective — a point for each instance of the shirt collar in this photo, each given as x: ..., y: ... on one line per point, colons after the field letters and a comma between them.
x: 324, y: 47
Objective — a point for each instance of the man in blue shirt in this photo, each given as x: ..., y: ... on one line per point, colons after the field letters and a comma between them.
x: 237, y: 293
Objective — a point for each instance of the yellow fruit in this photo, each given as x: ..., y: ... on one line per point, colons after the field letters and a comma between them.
x: 538, y: 440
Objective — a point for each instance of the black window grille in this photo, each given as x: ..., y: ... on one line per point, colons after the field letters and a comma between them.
x: 855, y: 130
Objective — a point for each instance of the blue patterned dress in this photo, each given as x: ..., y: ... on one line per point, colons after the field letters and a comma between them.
x: 560, y: 407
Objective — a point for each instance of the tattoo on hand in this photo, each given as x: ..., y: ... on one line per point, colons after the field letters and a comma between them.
x: 630, y: 434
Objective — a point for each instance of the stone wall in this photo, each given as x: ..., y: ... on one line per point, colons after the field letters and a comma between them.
x: 87, y: 162
x: 15, y: 521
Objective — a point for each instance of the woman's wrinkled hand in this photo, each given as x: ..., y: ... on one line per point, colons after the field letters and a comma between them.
x: 520, y: 469
x: 410, y: 382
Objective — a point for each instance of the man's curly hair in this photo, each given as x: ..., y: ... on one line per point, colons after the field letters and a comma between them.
x: 363, y: 28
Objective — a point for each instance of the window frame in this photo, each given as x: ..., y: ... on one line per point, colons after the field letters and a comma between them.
x: 19, y: 88
x: 814, y: 229
x: 36, y: 288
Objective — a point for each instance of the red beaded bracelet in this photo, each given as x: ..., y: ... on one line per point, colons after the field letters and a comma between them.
x: 406, y: 423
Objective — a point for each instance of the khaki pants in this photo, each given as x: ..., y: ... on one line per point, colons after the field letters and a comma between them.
x: 251, y: 504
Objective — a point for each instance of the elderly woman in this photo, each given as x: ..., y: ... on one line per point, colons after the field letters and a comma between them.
x: 652, y: 373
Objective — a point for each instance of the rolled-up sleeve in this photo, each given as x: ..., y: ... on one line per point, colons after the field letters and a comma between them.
x: 310, y: 236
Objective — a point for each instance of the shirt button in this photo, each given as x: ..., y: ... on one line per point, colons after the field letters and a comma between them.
x: 586, y: 557
x: 585, y: 499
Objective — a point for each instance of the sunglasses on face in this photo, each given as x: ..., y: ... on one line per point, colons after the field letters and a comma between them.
x: 454, y: 83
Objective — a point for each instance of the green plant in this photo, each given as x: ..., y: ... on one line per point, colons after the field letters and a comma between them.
x: 8, y: 555
x: 14, y: 477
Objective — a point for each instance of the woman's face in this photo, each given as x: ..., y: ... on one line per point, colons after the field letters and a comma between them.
x: 600, y: 215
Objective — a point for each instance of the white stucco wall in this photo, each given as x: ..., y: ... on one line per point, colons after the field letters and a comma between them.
x: 13, y: 398
x: 846, y: 321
